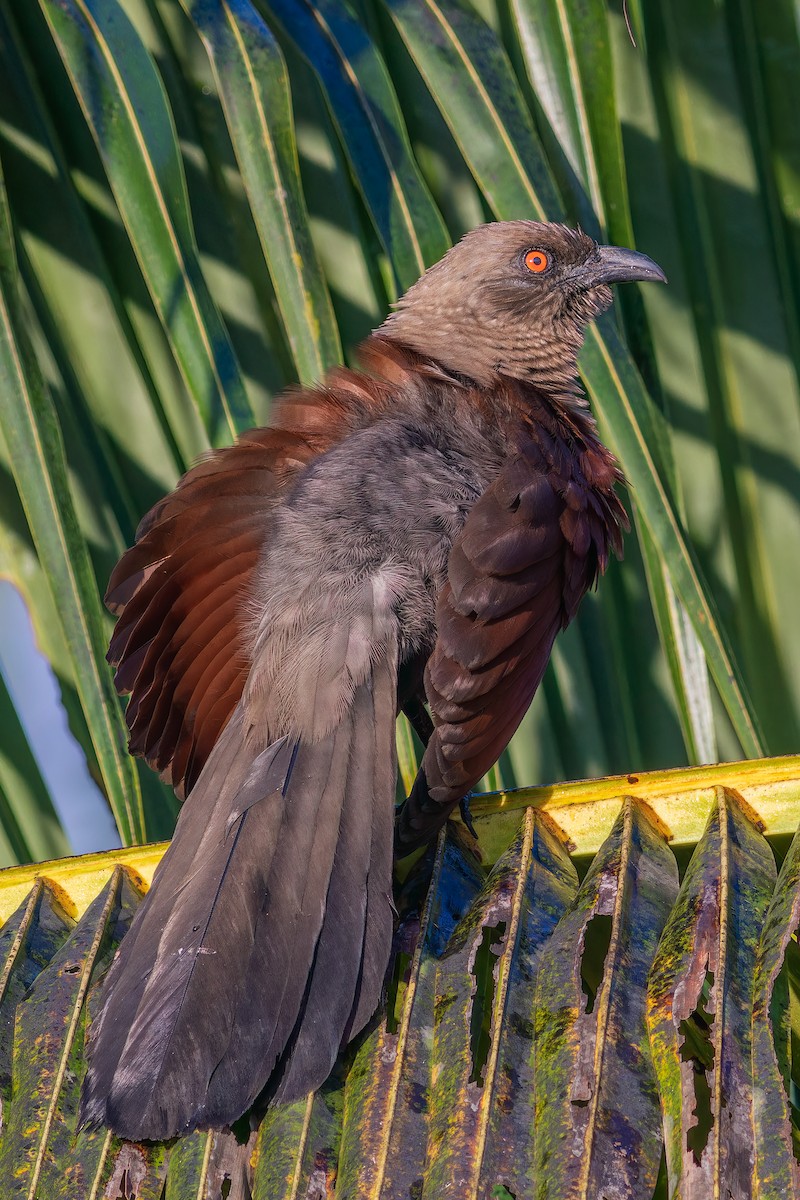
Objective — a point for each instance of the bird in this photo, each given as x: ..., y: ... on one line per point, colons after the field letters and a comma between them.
x: 408, y: 536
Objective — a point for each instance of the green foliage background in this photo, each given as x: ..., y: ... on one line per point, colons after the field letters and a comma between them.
x: 207, y: 200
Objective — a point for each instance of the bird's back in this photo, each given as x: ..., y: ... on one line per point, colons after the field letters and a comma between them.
x: 326, y: 477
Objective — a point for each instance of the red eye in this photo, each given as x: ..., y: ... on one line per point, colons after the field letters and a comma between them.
x: 537, y: 261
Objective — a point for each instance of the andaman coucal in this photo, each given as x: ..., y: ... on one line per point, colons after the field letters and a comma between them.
x: 413, y: 533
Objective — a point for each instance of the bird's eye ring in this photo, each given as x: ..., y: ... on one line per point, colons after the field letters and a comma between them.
x: 537, y: 261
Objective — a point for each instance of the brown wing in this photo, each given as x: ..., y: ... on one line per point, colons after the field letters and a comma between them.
x: 529, y: 550
x: 181, y: 591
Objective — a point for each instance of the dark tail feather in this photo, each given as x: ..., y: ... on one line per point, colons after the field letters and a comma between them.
x: 353, y: 947
x: 280, y: 955
x: 378, y: 931
x: 269, y: 872
x: 125, y: 984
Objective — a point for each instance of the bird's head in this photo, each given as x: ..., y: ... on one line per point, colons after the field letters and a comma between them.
x: 513, y: 298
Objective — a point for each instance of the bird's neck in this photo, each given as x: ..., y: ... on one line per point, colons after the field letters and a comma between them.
x: 489, y: 353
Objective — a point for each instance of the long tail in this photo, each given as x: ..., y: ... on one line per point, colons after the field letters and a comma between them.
x: 263, y: 941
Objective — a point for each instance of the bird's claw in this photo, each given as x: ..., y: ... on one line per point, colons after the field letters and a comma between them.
x: 466, y: 816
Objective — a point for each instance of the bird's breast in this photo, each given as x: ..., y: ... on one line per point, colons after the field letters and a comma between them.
x: 385, y: 506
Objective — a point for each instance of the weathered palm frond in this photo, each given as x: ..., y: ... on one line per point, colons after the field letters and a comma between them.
x: 623, y: 1034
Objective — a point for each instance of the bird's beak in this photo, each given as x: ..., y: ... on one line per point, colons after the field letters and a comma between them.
x: 615, y: 265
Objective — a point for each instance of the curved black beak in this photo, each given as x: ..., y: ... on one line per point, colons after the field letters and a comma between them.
x: 616, y: 265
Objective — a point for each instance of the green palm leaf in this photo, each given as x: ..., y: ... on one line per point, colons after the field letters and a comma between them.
x: 169, y: 144
x: 35, y: 450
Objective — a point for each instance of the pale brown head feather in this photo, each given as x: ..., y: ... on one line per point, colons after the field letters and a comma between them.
x: 481, y: 313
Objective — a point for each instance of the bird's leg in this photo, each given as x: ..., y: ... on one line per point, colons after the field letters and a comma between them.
x: 420, y: 719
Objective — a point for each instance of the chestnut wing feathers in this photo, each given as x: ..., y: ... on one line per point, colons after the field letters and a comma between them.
x: 181, y: 592
x: 530, y: 548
